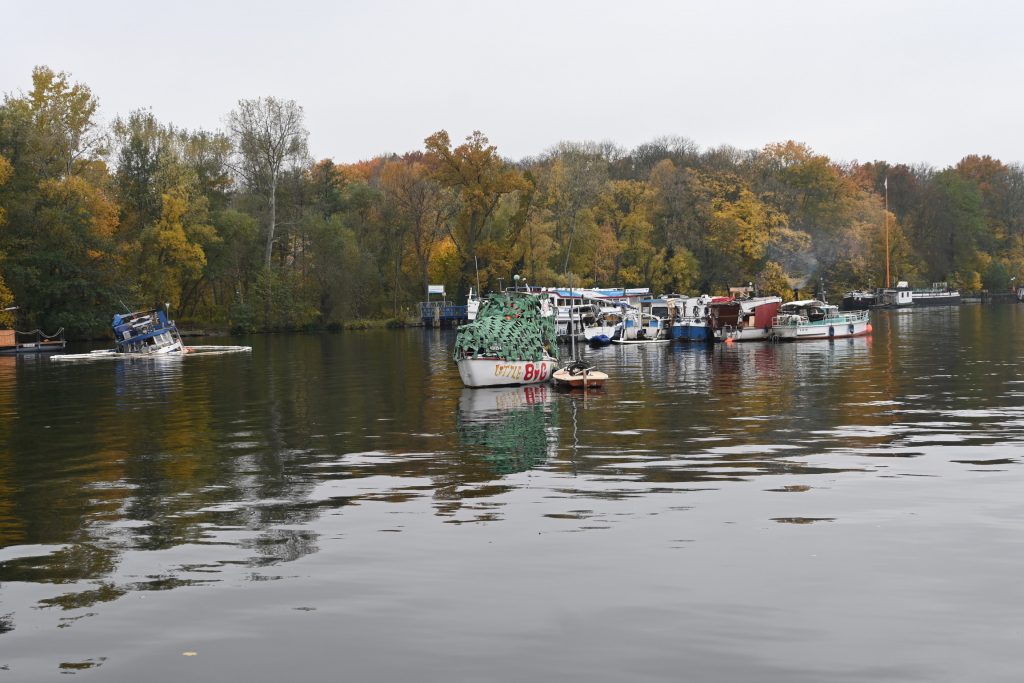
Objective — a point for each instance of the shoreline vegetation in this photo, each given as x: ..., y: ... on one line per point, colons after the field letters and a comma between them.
x: 243, y: 230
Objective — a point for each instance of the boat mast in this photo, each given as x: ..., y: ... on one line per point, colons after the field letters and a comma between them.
x: 572, y: 323
x: 888, y: 282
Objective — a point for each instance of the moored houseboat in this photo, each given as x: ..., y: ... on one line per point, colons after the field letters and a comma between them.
x: 743, y: 319
x: 939, y: 294
x: 690, y: 323
x: 814, y: 319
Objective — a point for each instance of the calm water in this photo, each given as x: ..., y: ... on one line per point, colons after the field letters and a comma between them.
x: 338, y: 507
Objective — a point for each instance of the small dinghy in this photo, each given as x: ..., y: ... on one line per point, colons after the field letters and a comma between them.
x: 579, y: 375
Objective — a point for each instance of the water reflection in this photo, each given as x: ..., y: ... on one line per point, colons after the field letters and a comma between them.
x: 513, y: 428
x: 146, y: 380
x: 356, y: 469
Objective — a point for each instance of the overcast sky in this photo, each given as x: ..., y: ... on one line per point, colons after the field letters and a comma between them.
x: 911, y: 82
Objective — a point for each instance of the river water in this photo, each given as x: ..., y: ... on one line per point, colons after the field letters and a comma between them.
x: 339, y: 507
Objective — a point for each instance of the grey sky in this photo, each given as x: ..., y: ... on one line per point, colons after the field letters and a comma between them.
x: 912, y: 82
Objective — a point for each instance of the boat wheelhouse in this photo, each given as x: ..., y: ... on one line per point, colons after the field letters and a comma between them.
x: 645, y: 325
x: 900, y: 296
x: 858, y: 300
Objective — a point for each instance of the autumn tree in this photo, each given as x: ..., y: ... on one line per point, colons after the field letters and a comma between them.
x: 59, y: 240
x: 572, y: 178
x: 479, y: 178
x: 421, y: 207
x: 65, y: 273
x: 622, y: 214
x: 65, y: 131
x: 164, y: 179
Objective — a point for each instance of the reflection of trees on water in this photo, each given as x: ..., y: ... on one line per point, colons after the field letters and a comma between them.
x: 239, y: 459
x: 150, y: 455
x: 512, y: 426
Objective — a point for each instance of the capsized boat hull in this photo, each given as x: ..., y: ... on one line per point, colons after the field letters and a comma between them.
x: 496, y: 372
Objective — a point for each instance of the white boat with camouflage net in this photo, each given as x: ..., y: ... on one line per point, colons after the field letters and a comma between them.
x: 511, y: 342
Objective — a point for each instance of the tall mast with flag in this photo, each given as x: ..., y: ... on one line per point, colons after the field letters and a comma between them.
x: 885, y: 183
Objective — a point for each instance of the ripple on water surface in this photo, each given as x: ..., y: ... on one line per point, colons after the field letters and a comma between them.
x: 745, y: 511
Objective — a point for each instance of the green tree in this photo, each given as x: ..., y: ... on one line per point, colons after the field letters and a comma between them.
x: 268, y: 134
x: 952, y: 218
x: 996, y: 278
x: 66, y: 272
x: 6, y: 297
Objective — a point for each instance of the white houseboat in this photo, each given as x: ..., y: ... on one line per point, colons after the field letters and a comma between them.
x: 814, y: 319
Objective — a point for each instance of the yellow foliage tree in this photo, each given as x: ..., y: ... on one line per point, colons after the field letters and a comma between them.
x: 739, y: 233
x: 621, y: 214
x: 772, y: 280
x: 170, y: 254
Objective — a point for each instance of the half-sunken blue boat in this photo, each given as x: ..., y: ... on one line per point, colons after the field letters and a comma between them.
x: 146, y: 332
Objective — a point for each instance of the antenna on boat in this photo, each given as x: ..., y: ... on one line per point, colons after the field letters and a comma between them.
x: 476, y: 264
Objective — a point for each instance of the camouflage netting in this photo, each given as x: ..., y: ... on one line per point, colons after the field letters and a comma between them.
x: 512, y: 441
x: 508, y: 326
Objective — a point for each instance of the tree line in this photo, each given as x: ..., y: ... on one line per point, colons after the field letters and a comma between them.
x: 241, y: 228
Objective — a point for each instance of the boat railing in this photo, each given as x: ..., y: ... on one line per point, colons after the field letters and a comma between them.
x: 794, y: 319
x: 789, y: 320
x: 39, y: 337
